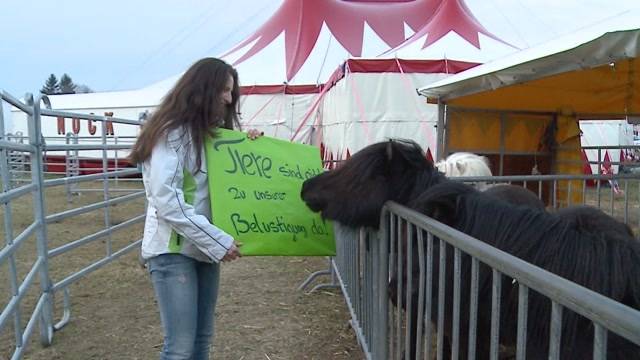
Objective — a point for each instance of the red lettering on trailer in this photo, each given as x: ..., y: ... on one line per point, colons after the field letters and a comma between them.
x: 110, y: 128
x: 109, y: 124
x: 61, y: 130
x: 92, y: 128
x: 75, y: 125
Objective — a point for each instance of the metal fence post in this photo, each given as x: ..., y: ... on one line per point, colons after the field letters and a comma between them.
x: 380, y: 346
x: 105, y: 187
x: 37, y: 177
x: 5, y: 176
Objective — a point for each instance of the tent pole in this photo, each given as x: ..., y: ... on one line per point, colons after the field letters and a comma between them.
x: 440, y: 141
x: 503, y: 129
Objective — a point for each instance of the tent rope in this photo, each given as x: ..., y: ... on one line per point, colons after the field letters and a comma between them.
x: 263, y: 107
x: 358, y: 99
x: 421, y: 115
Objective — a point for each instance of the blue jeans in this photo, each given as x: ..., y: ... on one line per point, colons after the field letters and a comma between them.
x: 186, y: 290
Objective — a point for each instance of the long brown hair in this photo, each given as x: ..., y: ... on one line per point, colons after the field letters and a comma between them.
x: 194, y: 103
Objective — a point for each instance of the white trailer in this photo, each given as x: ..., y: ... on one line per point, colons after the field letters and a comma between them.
x: 603, y: 134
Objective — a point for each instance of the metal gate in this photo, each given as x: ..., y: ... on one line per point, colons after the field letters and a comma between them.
x: 20, y: 276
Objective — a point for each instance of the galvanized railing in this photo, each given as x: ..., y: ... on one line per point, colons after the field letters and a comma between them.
x: 400, y: 222
x: 14, y: 192
x: 42, y: 311
x: 366, y: 260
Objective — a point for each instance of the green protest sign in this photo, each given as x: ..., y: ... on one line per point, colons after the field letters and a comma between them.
x: 255, y: 195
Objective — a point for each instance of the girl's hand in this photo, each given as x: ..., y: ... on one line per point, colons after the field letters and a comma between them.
x: 254, y: 134
x: 233, y: 253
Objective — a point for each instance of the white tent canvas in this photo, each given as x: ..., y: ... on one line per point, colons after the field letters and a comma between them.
x: 367, y: 107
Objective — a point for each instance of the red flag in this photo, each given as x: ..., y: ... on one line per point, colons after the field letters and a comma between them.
x: 429, y: 156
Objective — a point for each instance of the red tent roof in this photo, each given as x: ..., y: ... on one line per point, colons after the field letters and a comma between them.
x: 301, y: 22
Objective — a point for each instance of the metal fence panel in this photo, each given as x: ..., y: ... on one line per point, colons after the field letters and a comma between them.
x: 393, y: 255
x: 22, y: 172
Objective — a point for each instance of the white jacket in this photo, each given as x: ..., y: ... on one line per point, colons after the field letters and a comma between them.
x: 168, y: 213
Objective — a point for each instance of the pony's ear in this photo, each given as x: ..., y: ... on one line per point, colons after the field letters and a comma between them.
x: 441, y: 201
x: 405, y: 156
x: 397, y: 161
x: 441, y: 208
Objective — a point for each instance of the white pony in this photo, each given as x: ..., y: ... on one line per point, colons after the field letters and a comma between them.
x: 462, y: 164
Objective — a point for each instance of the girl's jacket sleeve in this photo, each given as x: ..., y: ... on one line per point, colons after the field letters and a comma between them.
x: 164, y: 186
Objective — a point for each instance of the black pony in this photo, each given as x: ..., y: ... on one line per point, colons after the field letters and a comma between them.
x: 355, y: 193
x: 397, y: 170
x: 582, y: 244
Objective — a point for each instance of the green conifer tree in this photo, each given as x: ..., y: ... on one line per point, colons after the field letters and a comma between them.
x: 51, y: 86
x: 66, y: 85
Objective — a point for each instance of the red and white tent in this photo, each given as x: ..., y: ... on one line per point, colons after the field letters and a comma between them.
x: 344, y: 73
x: 338, y: 72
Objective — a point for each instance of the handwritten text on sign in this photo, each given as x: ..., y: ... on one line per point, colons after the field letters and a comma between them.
x: 255, y: 195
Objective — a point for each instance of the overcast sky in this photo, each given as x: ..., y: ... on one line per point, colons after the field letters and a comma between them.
x: 128, y: 44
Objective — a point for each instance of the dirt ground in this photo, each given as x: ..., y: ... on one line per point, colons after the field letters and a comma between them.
x: 260, y: 313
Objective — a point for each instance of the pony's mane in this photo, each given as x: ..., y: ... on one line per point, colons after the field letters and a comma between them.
x: 504, y: 226
x: 367, y: 162
x: 422, y: 173
x: 408, y: 149
x: 397, y: 157
x: 550, y: 239
x: 540, y: 238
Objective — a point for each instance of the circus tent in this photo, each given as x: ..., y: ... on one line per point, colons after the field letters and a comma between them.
x: 345, y: 72
x: 338, y: 72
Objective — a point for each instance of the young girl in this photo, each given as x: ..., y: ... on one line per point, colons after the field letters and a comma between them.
x: 182, y: 246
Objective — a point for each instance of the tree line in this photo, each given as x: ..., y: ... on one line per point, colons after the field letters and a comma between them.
x: 65, y: 86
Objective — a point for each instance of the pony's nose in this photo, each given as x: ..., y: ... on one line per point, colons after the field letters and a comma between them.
x: 311, y: 197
